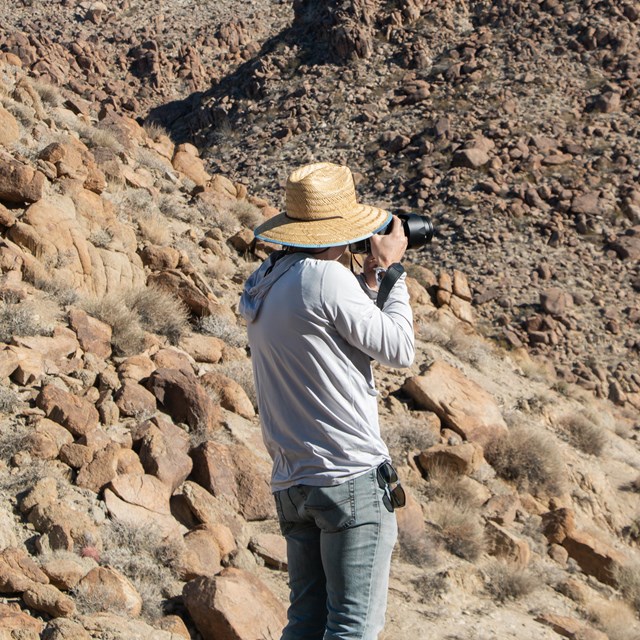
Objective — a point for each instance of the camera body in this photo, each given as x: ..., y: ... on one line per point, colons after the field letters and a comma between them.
x: 417, y: 229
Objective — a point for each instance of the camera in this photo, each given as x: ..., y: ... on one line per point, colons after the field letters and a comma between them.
x: 417, y: 229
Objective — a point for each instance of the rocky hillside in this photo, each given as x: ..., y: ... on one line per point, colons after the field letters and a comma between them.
x: 134, y: 499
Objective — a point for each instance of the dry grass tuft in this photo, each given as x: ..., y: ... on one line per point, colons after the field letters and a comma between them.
x: 635, y: 485
x: 616, y: 619
x: 154, y: 229
x: 13, y: 438
x: 9, y: 399
x: 530, y: 458
x: 101, y: 238
x: 452, y: 488
x: 406, y: 436
x: 246, y: 213
x: 221, y: 218
x: 584, y: 434
x: 49, y: 94
x: 628, y: 581
x: 242, y: 372
x: 506, y: 581
x: 154, y: 129
x: 152, y: 160
x: 219, y: 268
x: 459, y: 528
x: 19, y: 320
x: 159, y: 311
x: 147, y: 559
x: 221, y: 327
x: 431, y: 586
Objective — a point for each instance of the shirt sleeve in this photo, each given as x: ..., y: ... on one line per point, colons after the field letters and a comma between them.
x: 383, y: 334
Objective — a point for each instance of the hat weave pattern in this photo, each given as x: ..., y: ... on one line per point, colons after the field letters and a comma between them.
x: 322, y: 210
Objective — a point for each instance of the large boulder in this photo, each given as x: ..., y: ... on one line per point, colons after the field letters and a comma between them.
x: 76, y: 414
x: 185, y: 399
x: 19, y: 182
x: 109, y: 590
x: 219, y: 608
x: 461, y: 404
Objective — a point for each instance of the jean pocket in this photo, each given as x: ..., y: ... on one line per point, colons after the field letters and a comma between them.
x: 333, y: 508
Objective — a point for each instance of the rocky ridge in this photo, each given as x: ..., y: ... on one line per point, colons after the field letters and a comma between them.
x: 131, y: 450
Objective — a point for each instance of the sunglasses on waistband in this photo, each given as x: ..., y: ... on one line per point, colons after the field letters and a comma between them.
x: 394, y: 496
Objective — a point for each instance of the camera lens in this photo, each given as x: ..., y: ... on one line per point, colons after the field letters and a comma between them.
x: 417, y: 229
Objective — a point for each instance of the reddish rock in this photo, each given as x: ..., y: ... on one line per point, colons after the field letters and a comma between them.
x: 558, y: 524
x: 159, y: 258
x: 9, y: 128
x: 595, y: 557
x: 19, y: 183
x: 65, y: 629
x: 201, y: 556
x: 272, y: 548
x: 106, y: 465
x: 132, y: 399
x: 76, y: 414
x: 13, y: 619
x: 65, y: 573
x: 503, y: 543
x: 136, y: 368
x: 570, y: 627
x: 94, y: 336
x: 172, y: 358
x: 111, y: 591
x: 555, y: 301
x: 47, y: 438
x: 49, y: 600
x: 470, y: 158
x: 462, y: 459
x: 18, y: 572
x: 232, y: 396
x: 218, y: 607
x: 203, y: 348
x: 185, y: 399
x: 461, y: 404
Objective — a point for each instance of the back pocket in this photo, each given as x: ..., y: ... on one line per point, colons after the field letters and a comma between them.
x: 333, y: 508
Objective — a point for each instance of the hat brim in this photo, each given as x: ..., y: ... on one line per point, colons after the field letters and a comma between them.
x: 329, y: 232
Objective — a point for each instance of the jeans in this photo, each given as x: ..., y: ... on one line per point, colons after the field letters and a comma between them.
x: 339, y: 544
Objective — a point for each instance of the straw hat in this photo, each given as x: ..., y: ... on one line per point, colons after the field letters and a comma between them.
x: 322, y: 210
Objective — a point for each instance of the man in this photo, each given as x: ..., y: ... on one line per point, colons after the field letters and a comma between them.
x: 313, y: 329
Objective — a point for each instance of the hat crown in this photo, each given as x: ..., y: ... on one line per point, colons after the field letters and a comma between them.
x: 321, y: 191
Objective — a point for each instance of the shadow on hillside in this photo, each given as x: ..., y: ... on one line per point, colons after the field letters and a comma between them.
x: 191, y: 120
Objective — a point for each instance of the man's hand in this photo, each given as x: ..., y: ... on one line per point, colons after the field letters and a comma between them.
x: 389, y: 248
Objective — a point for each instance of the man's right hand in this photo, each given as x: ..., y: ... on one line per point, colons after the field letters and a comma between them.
x: 389, y: 248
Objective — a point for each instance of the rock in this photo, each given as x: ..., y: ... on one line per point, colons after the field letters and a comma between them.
x: 47, y: 438
x: 187, y: 162
x: 94, y: 336
x: 175, y: 282
x: 136, y: 368
x: 570, y: 627
x: 64, y: 629
x: 202, y: 555
x: 105, y: 465
x: 272, y: 548
x: 462, y: 459
x: 504, y: 544
x: 462, y: 405
x: 132, y: 399
x: 588, y: 204
x: 218, y: 606
x: 461, y: 286
x: 18, y: 572
x: 607, y: 102
x: 558, y: 524
x: 595, y: 557
x: 185, y: 399
x: 555, y: 301
x: 143, y: 490
x: 473, y: 158
x: 116, y: 625
x: 164, y: 452
x: 109, y: 590
x: 203, y: 348
x: 9, y: 128
x: 232, y: 396
x: 627, y: 246
x: 502, y: 508
x: 19, y: 183
x: 159, y: 258
x: 17, y: 624
x: 50, y: 600
x: 75, y: 414
x: 65, y: 573
x: 173, y: 358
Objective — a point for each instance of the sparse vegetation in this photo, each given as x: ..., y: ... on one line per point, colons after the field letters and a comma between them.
x: 9, y: 399
x: 246, y: 213
x: 221, y: 327
x: 49, y: 94
x: 18, y: 320
x: 584, y: 434
x: 220, y: 268
x: 615, y: 618
x: 242, y: 373
x: 101, y: 238
x: 530, y: 458
x: 459, y: 528
x: 154, y: 229
x: 221, y: 218
x: 506, y: 581
x: 154, y: 129
x: 431, y: 586
x: 628, y: 580
x: 407, y: 435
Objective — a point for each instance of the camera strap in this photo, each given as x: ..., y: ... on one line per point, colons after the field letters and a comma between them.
x: 390, y: 278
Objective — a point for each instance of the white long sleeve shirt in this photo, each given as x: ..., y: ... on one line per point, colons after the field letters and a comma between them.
x: 312, y: 332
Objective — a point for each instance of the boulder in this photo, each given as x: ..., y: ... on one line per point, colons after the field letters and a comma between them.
x: 503, y: 543
x: 50, y: 600
x: 186, y: 161
x: 19, y: 182
x: 93, y: 335
x: 473, y: 158
x: 558, y: 524
x: 75, y: 414
x: 9, y: 128
x: 64, y: 629
x: 119, y: 625
x: 232, y: 396
x: 175, y: 282
x: 164, y: 451
x: 218, y: 606
x: 105, y: 465
x: 47, y: 438
x: 15, y: 623
x: 159, y: 258
x: 65, y: 573
x: 185, y: 399
x: 272, y: 548
x: 132, y: 399
x: 18, y: 572
x: 461, y: 404
x: 570, y: 627
x: 173, y: 358
x: 555, y: 301
x: 595, y: 557
x: 462, y: 459
x: 136, y: 368
x: 201, y: 556
x: 203, y: 348
x: 109, y: 590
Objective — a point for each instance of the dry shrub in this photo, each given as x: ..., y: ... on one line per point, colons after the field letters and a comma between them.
x: 159, y: 311
x: 459, y: 528
x: 431, y: 586
x: 530, y: 458
x: 147, y: 559
x: 49, y: 94
x: 23, y: 113
x: 154, y: 229
x: 95, y: 137
x: 223, y: 328
x: 9, y: 399
x: 13, y: 437
x: 448, y: 486
x: 628, y: 580
x: 406, y: 435
x: 154, y: 129
x: 506, y: 581
x: 19, y: 320
x: 616, y: 619
x: 535, y: 370
x: 467, y: 347
x: 220, y: 268
x: 433, y: 332
x: 101, y: 238
x: 127, y: 336
x: 246, y: 213
x: 152, y: 160
x: 58, y: 289
x: 221, y: 218
x: 172, y: 208
x: 584, y: 434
